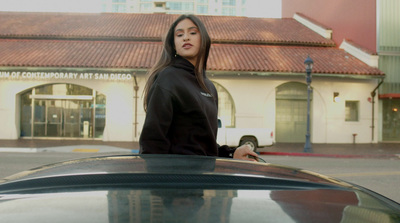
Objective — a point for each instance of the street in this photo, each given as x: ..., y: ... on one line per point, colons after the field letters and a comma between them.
x: 379, y: 175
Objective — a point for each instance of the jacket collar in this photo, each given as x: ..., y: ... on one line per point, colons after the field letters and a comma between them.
x: 184, y: 64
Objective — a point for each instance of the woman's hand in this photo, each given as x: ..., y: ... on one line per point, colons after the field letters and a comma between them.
x: 243, y: 152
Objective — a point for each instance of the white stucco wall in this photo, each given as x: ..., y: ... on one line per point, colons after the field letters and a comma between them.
x: 337, y: 129
x: 119, y: 108
x: 119, y: 111
x: 254, y: 99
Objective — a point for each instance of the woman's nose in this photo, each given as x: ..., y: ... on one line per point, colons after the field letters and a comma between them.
x: 185, y: 36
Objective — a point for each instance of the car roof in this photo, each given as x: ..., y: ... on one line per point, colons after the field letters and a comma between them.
x: 175, y: 165
x: 178, y: 188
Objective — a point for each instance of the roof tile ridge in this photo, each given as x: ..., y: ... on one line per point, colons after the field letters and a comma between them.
x: 361, y: 53
x: 314, y: 25
x: 360, y: 47
x: 313, y: 21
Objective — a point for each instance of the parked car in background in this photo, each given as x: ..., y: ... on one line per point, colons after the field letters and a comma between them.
x: 254, y: 137
x: 177, y: 188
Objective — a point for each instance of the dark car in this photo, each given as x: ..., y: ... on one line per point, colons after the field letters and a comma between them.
x: 175, y: 188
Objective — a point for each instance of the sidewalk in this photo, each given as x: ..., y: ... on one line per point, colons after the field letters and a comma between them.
x: 368, y: 150
x: 65, y: 145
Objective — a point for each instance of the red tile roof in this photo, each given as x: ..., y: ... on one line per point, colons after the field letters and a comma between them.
x: 133, y: 41
x: 153, y: 26
x: 142, y: 55
x: 285, y: 59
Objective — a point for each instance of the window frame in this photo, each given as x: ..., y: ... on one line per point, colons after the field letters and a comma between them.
x: 352, y: 111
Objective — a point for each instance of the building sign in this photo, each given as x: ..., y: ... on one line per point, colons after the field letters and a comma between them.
x: 38, y: 75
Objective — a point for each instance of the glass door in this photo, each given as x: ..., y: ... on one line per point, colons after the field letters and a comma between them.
x: 40, y: 118
x: 71, y: 119
x: 63, y: 118
x: 48, y: 118
x: 54, y: 123
x: 62, y: 110
x: 86, y: 122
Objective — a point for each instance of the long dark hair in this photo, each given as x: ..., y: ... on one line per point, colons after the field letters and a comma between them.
x: 168, y: 54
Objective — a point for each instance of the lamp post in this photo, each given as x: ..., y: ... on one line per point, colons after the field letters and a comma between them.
x: 136, y: 88
x: 309, y: 64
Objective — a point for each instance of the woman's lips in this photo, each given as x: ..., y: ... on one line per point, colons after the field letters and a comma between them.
x: 187, y: 46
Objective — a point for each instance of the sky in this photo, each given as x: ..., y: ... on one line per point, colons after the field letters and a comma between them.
x: 51, y: 5
x: 261, y: 8
x: 256, y: 8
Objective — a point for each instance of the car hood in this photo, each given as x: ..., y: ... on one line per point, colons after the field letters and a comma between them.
x: 174, y: 188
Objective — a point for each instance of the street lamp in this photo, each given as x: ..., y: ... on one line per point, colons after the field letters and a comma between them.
x: 309, y: 64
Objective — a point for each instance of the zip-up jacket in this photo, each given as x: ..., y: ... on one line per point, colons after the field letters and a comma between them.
x: 181, y: 117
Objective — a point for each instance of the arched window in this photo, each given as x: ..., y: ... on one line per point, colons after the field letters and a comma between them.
x: 292, y: 90
x: 291, y: 112
x: 226, y: 106
x: 62, y: 110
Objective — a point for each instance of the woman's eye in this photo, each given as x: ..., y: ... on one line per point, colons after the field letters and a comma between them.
x: 193, y: 33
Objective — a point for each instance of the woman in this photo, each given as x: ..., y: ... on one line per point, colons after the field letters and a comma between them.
x: 181, y: 103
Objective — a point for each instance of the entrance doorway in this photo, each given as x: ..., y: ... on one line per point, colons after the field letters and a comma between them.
x: 62, y: 110
x: 63, y: 118
x: 291, y: 112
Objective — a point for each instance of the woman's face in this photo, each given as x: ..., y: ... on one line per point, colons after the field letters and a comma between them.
x: 187, y: 40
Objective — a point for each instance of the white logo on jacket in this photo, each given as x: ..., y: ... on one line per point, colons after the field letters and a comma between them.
x: 206, y: 94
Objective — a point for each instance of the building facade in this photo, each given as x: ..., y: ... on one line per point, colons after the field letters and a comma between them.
x: 375, y: 27
x: 81, y: 76
x: 249, y: 8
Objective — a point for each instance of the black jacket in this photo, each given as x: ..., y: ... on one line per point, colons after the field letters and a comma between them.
x: 181, y: 117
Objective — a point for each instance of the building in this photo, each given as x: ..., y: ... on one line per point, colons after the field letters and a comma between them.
x: 249, y: 8
x: 375, y: 27
x: 81, y: 76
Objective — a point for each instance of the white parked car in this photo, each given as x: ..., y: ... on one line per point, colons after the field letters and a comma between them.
x: 254, y: 137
